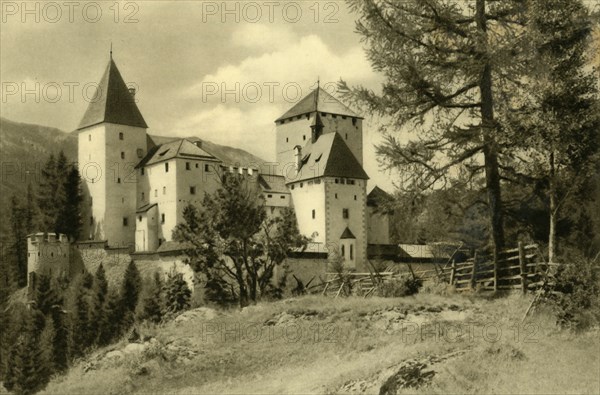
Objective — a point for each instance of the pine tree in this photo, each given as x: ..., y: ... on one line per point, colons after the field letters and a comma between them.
x: 98, y: 312
x: 81, y: 330
x: 19, y: 242
x: 130, y: 289
x: 48, y: 200
x: 31, y: 370
x: 152, y: 302
x: 45, y: 295
x: 177, y: 293
x: 60, y: 342
x: 69, y: 219
x: 558, y: 126
x: 112, y: 326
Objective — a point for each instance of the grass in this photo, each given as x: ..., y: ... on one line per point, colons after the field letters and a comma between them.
x: 318, y: 345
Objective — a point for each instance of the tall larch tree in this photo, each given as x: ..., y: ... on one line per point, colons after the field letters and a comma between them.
x: 441, y: 62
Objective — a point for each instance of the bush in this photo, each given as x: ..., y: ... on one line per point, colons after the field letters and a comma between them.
x: 401, y: 286
x: 577, y: 287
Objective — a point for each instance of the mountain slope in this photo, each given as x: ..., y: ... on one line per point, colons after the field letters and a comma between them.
x: 24, y: 148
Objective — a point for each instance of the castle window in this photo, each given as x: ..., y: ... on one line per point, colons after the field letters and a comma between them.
x: 91, y: 220
x: 164, y: 190
x: 343, y: 251
x: 118, y: 180
x: 162, y: 218
x: 207, y: 168
x: 336, y: 196
x: 351, y: 252
x: 292, y: 186
x: 38, y: 253
x: 142, y: 171
x: 143, y: 196
x: 346, y: 136
x: 287, y: 139
x: 303, y: 137
x: 353, y: 121
x: 301, y: 184
x: 125, y: 221
x: 120, y: 135
x: 196, y: 165
x: 282, y: 197
x: 351, y: 182
x: 192, y: 190
x: 345, y: 213
x: 354, y: 197
x: 187, y: 166
x: 343, y: 117
x: 272, y: 210
x: 337, y: 181
x: 314, y: 214
x: 167, y: 167
x: 270, y: 196
x: 122, y: 155
x: 334, y: 116
x: 89, y: 137
x: 155, y: 192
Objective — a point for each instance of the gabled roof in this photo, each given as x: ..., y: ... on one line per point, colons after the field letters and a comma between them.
x: 114, y: 103
x: 347, y: 234
x: 272, y: 183
x: 329, y: 156
x: 181, y: 148
x: 318, y: 100
x: 377, y: 196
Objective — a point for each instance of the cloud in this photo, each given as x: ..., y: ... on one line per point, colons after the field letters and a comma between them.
x: 262, y: 37
x: 281, y: 75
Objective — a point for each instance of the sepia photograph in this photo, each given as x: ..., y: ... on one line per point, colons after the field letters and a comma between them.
x: 300, y: 197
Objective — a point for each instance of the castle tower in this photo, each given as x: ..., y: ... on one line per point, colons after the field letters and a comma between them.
x: 112, y: 141
x: 47, y: 254
x: 300, y: 125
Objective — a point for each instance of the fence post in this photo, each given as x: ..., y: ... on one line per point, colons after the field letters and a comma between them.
x: 453, y: 272
x: 474, y: 270
x: 522, y: 264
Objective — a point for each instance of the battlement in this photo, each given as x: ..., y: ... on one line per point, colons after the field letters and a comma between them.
x: 47, y: 254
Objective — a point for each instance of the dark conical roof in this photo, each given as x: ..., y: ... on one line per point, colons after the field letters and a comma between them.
x: 113, y: 102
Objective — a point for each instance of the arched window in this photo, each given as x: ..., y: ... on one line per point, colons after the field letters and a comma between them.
x: 343, y: 251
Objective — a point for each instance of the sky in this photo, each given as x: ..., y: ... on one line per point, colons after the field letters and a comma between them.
x: 221, y: 71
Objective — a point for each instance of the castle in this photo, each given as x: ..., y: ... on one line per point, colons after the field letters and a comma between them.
x: 135, y: 190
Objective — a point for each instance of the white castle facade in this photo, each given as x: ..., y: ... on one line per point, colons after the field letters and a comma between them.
x: 135, y: 190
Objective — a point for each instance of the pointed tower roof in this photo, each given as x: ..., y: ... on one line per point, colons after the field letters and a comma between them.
x: 347, y: 234
x: 113, y: 103
x: 318, y: 100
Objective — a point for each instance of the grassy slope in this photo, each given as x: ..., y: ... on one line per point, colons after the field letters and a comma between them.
x: 357, y: 346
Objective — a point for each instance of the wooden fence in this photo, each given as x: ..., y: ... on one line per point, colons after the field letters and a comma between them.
x: 520, y: 268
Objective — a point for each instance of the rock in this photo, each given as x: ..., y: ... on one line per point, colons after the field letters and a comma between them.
x: 203, y: 313
x: 116, y: 354
x: 134, y: 348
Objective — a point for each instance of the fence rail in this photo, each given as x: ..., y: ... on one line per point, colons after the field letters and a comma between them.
x: 520, y: 268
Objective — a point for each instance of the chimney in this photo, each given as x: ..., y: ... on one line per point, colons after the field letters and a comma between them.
x: 298, y: 157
